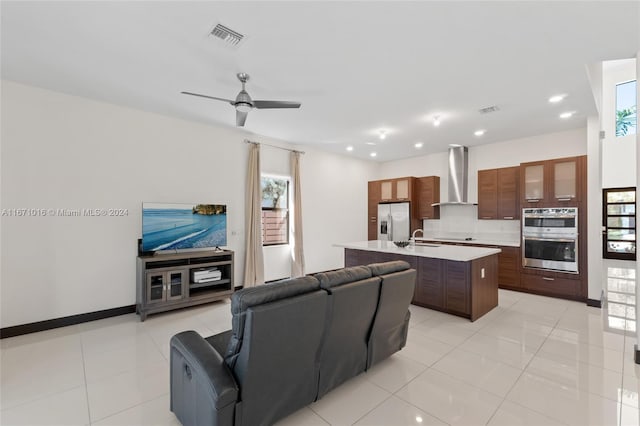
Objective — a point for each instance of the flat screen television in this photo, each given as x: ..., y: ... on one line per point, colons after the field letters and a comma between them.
x: 183, y: 226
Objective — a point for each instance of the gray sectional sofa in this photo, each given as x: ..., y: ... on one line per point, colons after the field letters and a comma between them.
x: 290, y: 343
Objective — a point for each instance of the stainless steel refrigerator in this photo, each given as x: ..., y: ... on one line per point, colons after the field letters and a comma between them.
x: 393, y: 222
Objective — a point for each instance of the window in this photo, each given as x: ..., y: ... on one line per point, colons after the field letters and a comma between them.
x: 626, y: 109
x: 275, y: 210
x: 619, y: 216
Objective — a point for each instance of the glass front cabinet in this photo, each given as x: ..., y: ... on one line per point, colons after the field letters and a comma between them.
x: 551, y: 182
x: 165, y: 285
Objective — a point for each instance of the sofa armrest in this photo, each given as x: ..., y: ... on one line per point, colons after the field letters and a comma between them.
x: 203, y: 389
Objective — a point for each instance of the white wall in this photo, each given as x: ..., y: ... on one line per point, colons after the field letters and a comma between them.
x: 637, y: 346
x: 618, y: 153
x: 334, y: 205
x: 61, y: 151
x: 594, y: 205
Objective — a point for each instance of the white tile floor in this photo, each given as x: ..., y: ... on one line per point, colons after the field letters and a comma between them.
x: 531, y: 361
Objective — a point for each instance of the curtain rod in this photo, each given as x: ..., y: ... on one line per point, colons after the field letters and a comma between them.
x: 274, y: 146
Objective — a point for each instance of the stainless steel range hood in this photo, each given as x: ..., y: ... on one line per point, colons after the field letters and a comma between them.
x: 458, y: 177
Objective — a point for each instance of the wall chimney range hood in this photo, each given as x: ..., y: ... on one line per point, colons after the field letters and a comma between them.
x: 458, y: 177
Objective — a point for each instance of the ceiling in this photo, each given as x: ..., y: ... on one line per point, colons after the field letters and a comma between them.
x: 356, y: 67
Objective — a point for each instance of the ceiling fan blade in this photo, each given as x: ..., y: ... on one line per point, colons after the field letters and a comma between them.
x: 208, y: 97
x: 241, y: 117
x: 275, y: 104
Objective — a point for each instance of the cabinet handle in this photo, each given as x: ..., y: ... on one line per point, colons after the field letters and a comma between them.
x: 533, y: 200
x: 486, y: 217
x: 564, y: 199
x: 548, y: 279
x: 508, y: 217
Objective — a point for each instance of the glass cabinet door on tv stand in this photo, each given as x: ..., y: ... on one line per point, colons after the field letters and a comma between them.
x: 167, y: 285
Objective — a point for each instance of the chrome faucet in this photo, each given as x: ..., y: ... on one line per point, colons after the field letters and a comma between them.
x: 413, y: 236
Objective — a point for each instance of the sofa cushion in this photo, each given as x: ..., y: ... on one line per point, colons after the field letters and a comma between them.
x: 254, y: 296
x: 343, y: 276
x: 378, y: 269
x: 389, y: 330
x: 277, y: 365
x: 352, y: 307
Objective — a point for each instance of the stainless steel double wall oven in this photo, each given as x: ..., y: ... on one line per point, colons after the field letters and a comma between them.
x: 550, y: 238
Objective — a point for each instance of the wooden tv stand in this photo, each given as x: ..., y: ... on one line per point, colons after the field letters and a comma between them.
x: 166, y: 281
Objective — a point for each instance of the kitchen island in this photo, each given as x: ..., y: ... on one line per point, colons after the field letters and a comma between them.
x: 458, y: 280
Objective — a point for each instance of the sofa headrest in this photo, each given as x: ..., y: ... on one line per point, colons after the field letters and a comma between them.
x: 343, y: 276
x: 247, y: 297
x: 253, y: 296
x: 388, y: 267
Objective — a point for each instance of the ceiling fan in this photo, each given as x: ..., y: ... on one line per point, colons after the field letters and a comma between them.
x: 243, y: 102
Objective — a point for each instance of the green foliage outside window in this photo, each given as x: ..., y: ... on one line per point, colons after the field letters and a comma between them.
x: 626, y: 109
x: 274, y: 192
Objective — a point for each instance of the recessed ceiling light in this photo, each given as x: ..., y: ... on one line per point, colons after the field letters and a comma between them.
x: 349, y: 148
x: 370, y: 143
x: 383, y: 134
x: 567, y: 114
x: 479, y: 132
x: 373, y: 154
x: 418, y: 145
x: 557, y: 98
x: 436, y: 120
x: 418, y: 419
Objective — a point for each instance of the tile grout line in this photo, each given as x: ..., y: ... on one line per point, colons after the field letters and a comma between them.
x: 84, y: 373
x: 413, y: 405
x: 459, y: 346
x: 522, y: 373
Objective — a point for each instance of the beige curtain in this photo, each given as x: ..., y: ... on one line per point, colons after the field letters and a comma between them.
x: 254, y: 261
x: 297, y: 251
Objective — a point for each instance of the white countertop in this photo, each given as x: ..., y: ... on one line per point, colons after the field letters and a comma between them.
x: 483, y: 241
x: 436, y: 251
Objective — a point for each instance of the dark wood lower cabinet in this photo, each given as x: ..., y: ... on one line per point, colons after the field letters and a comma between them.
x: 457, y: 289
x: 552, y: 284
x: 467, y: 289
x: 430, y: 283
x: 509, y: 268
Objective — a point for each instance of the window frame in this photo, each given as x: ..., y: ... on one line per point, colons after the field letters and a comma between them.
x: 286, y: 209
x: 606, y: 254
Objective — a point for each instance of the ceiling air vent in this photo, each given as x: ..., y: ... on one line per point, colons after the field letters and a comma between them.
x: 230, y: 37
x: 487, y: 110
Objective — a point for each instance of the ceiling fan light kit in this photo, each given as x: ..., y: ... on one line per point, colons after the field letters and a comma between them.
x: 243, y: 102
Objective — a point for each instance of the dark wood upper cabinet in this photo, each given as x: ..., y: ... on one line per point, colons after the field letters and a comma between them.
x: 396, y: 190
x: 508, y: 193
x: 427, y: 193
x: 553, y: 183
x: 498, y: 193
x: 488, y: 194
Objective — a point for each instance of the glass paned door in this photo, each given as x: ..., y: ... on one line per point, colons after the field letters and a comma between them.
x: 619, y: 227
x: 176, y: 280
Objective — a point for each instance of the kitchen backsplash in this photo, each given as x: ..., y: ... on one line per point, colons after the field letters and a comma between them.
x: 462, y: 221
